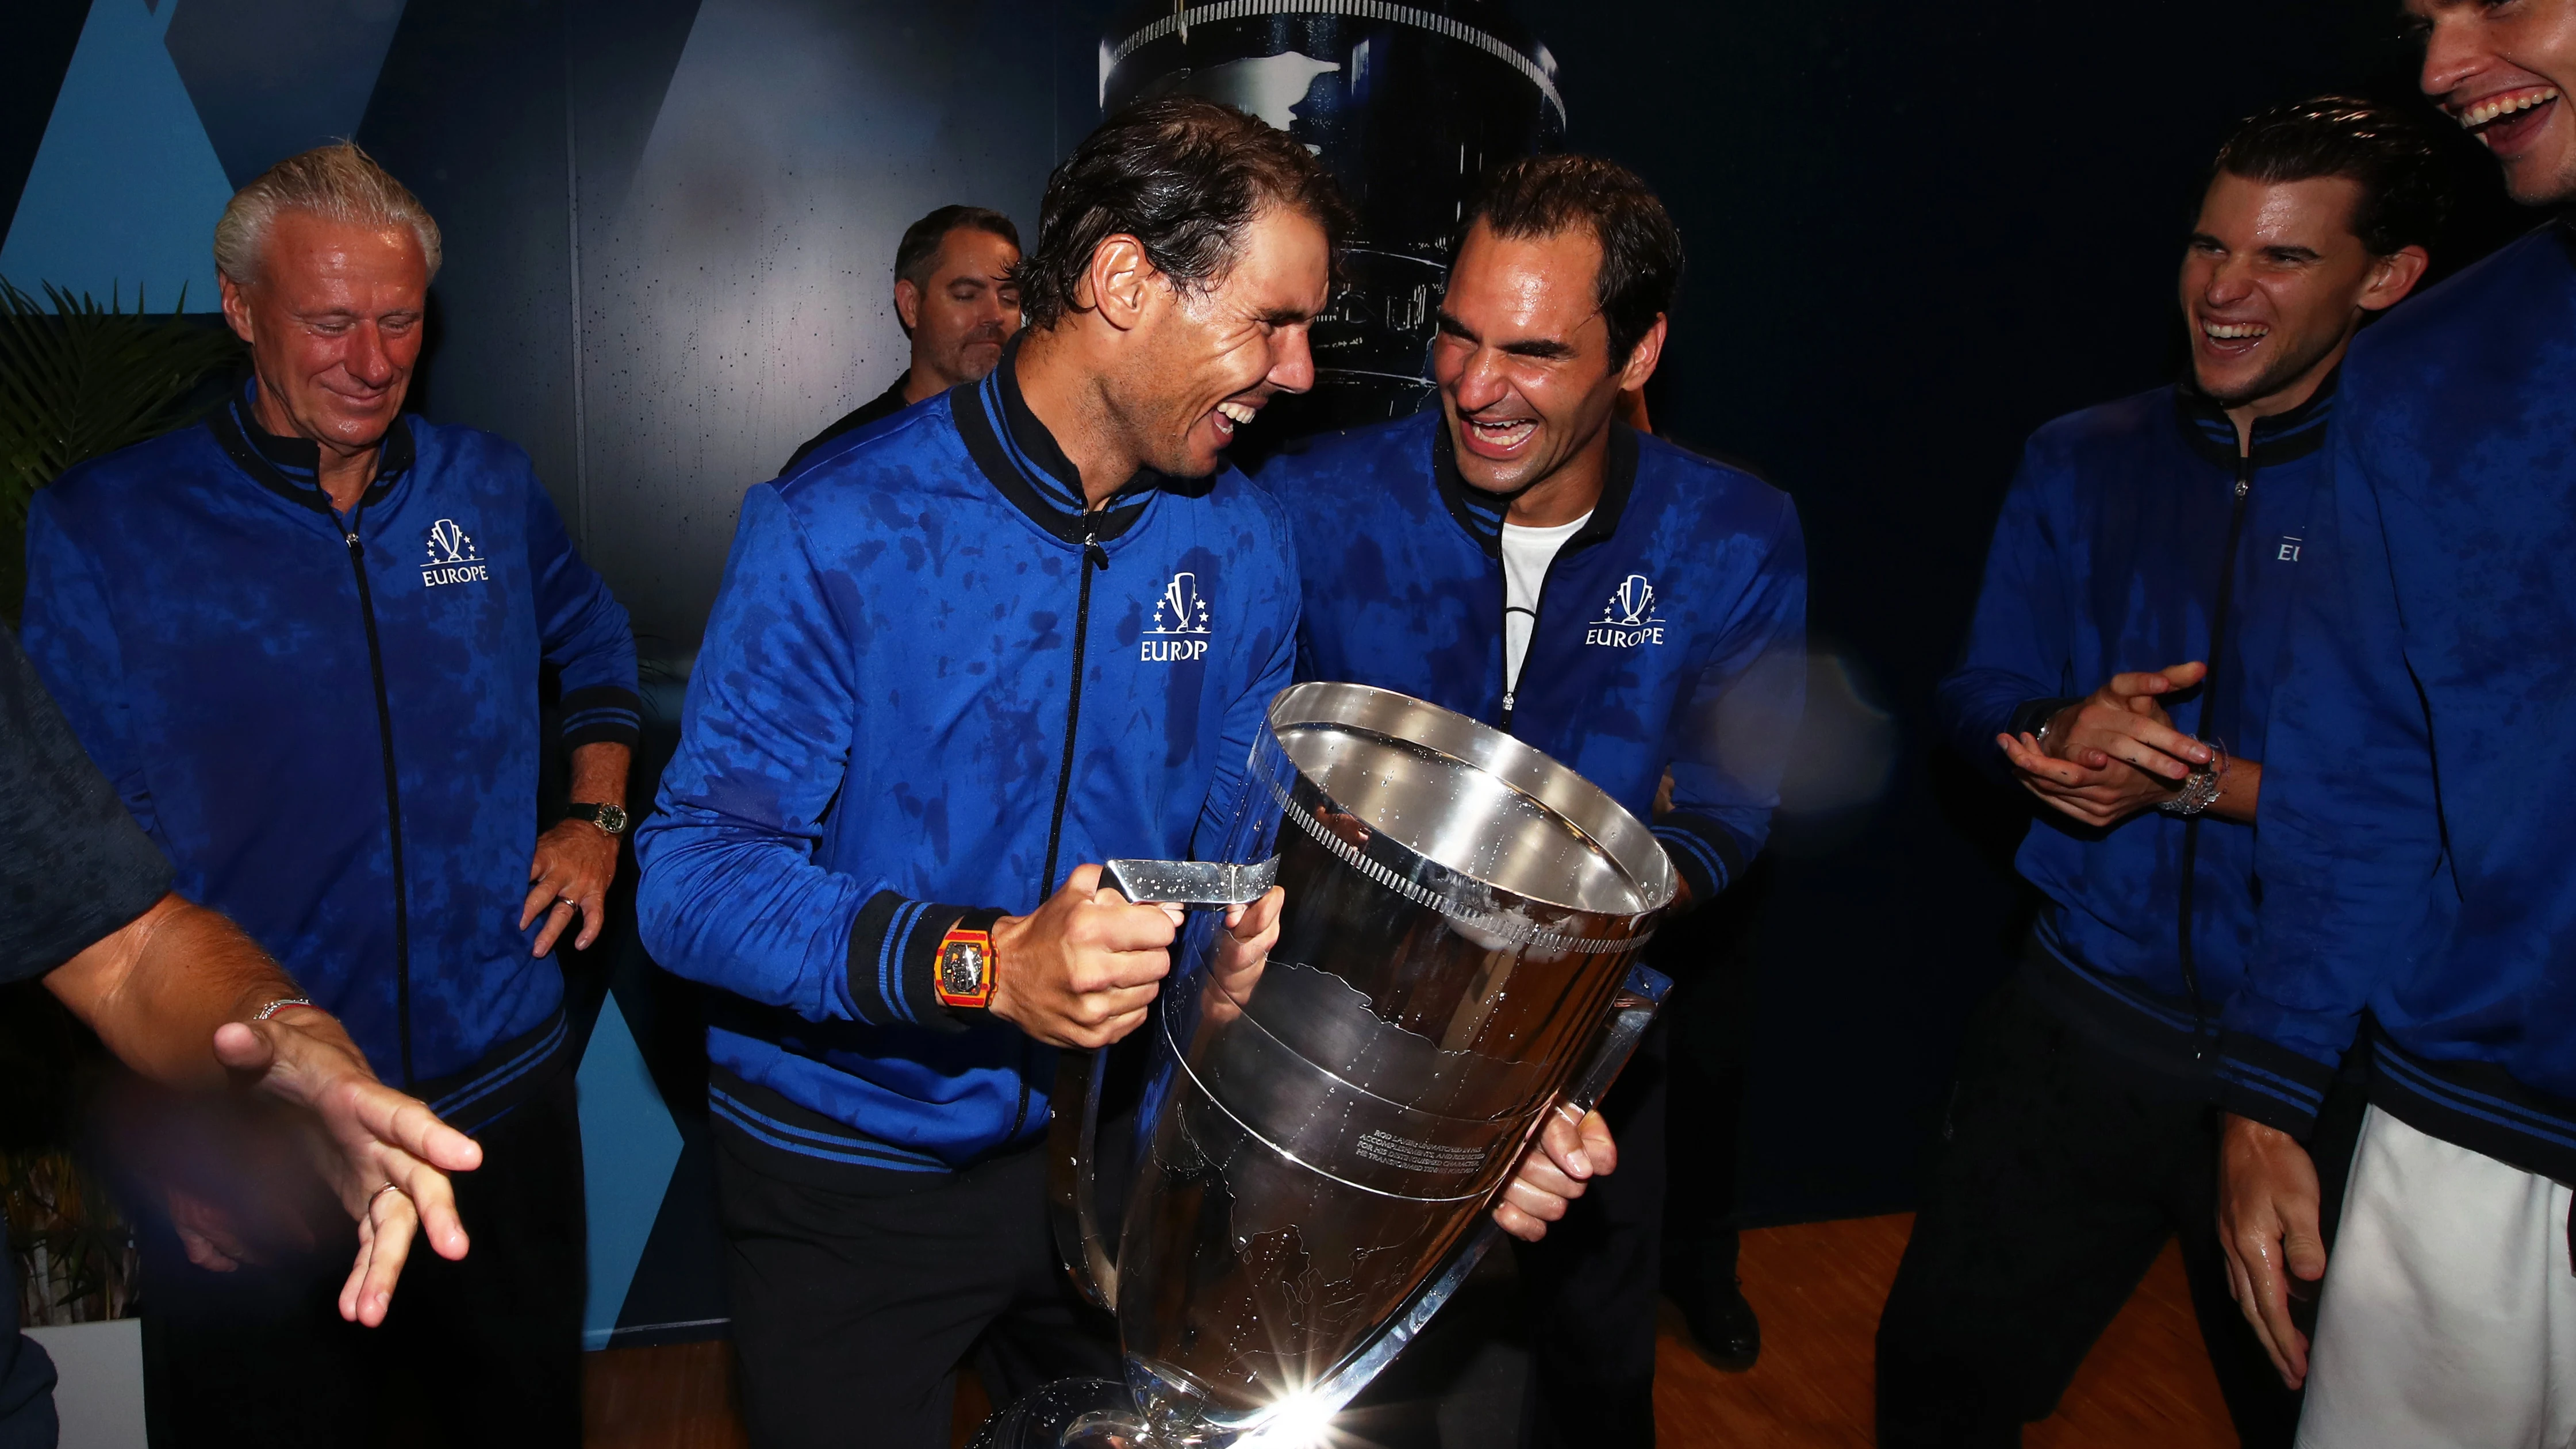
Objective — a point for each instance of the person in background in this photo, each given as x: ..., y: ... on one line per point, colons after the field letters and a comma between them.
x: 2123, y: 667
x: 304, y: 640
x: 955, y: 297
x: 177, y: 993
x: 2417, y: 853
x: 1634, y: 610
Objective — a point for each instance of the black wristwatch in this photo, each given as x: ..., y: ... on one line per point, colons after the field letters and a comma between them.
x: 609, y: 818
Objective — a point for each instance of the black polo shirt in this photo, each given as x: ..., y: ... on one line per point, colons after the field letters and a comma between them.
x: 884, y: 405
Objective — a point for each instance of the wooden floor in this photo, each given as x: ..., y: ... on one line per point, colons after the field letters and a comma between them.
x: 1818, y: 1288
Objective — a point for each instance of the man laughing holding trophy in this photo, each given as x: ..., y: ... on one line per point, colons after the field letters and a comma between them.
x: 1634, y: 610
x: 958, y: 655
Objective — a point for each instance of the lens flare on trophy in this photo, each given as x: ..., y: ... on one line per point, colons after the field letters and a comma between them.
x: 1303, y: 1422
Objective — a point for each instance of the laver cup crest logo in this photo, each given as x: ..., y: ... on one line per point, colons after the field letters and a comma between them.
x: 452, y: 559
x: 1180, y: 627
x: 1629, y: 619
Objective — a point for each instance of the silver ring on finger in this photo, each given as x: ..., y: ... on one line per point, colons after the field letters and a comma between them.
x: 567, y: 902
x: 380, y: 1192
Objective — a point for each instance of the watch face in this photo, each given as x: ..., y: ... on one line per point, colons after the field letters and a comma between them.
x: 612, y: 818
x: 961, y: 969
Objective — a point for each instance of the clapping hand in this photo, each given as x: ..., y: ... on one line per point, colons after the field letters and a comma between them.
x: 2113, y: 753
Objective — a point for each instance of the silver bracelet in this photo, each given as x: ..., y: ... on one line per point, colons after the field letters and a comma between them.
x: 274, y: 1007
x: 2204, y: 786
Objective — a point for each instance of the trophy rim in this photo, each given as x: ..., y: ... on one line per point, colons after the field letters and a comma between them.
x: 1583, y: 808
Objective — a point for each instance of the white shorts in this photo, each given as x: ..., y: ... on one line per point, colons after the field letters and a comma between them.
x: 2449, y: 1313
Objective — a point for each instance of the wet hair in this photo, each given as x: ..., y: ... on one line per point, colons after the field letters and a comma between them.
x: 918, y: 252
x: 1184, y: 177
x: 1641, y: 249
x: 337, y: 181
x: 2383, y: 150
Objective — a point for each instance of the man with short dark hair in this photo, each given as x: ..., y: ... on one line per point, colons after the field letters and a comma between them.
x: 1634, y: 610
x: 954, y: 296
x: 2417, y: 855
x: 305, y: 640
x: 2147, y: 553
x: 921, y: 685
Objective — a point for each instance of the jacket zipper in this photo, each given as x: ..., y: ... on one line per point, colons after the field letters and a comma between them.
x: 393, y: 793
x: 1094, y: 558
x: 2208, y: 718
x: 1538, y: 611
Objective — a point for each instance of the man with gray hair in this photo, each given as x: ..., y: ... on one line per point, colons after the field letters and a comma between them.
x: 305, y: 641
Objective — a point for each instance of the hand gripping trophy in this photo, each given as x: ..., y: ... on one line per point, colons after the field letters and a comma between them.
x: 1320, y: 1135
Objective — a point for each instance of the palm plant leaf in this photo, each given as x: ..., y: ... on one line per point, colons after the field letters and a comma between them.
x: 78, y: 379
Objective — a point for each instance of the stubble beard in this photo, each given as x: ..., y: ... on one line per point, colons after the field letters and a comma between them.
x: 2284, y: 370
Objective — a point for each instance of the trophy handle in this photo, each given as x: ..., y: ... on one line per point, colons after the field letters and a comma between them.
x: 1631, y: 1012
x: 1073, y: 1136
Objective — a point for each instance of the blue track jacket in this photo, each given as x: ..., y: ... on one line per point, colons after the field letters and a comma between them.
x: 1671, y: 629
x: 916, y: 690
x: 2418, y: 842
x: 2128, y: 528
x: 330, y: 723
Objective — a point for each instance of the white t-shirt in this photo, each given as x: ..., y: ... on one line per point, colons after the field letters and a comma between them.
x: 1526, y: 554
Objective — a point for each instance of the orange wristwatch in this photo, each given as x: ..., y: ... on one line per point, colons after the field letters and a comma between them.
x: 964, y: 978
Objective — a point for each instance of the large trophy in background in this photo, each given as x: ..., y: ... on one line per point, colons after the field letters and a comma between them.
x: 1320, y: 1134
x: 1408, y: 105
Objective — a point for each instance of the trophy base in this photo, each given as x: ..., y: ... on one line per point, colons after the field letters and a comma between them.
x: 1067, y: 1414
x: 1102, y: 1414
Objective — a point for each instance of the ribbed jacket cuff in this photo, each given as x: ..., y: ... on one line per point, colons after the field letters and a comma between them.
x: 1703, y: 850
x: 602, y: 714
x: 2030, y: 714
x: 2271, y: 1084
x: 894, y: 951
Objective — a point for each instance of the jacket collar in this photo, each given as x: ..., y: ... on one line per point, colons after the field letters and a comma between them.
x: 1481, y: 513
x: 1026, y: 464
x: 2280, y: 438
x: 291, y: 467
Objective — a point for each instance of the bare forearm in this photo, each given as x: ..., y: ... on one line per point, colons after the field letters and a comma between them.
x: 156, y: 989
x: 599, y: 774
x: 2237, y: 791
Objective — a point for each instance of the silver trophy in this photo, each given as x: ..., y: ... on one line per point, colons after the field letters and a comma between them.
x: 1320, y: 1136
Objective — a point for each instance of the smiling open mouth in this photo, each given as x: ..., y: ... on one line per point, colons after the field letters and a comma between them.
x: 2233, y: 331
x: 1508, y: 434
x: 2506, y: 113
x: 1231, y: 415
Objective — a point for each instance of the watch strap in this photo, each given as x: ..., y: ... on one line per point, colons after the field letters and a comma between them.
x: 2031, y: 716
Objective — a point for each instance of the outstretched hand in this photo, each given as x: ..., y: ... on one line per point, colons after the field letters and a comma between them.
x: 1570, y: 1152
x: 2268, y: 1225
x: 383, y: 1152
x: 2114, y: 752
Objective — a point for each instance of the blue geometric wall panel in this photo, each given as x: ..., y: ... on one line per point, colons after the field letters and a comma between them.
x: 125, y: 188
x: 628, y: 1147
x: 274, y: 77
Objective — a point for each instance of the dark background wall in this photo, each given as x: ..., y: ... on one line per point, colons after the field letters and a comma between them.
x: 1916, y: 233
